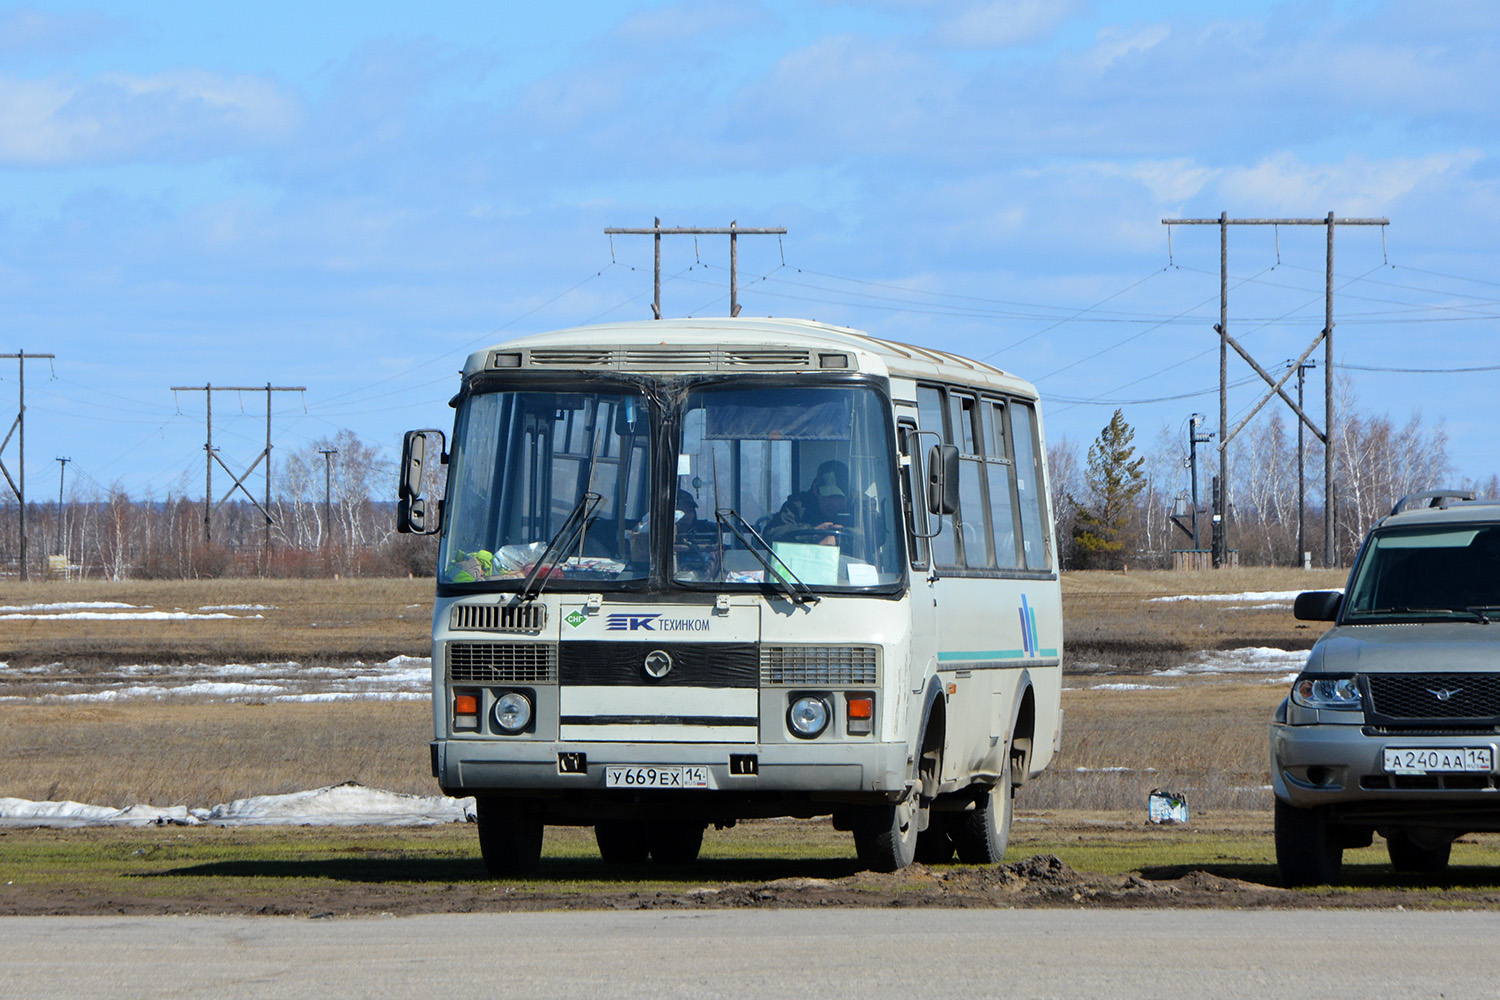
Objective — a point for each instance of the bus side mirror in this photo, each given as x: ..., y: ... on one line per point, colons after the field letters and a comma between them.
x: 411, y: 509
x: 942, y: 479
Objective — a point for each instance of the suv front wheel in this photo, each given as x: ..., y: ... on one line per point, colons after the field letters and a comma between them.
x: 1309, y: 850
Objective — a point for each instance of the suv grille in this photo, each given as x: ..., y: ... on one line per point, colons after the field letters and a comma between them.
x: 502, y: 662
x: 820, y: 665
x: 1431, y: 696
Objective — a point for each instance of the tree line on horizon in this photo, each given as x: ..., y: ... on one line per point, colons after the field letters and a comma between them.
x: 1114, y: 503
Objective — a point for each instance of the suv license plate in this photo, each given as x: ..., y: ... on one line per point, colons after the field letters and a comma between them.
x: 1423, y: 760
x: 653, y: 776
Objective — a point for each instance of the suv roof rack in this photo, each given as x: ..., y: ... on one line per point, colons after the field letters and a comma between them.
x: 1437, y: 498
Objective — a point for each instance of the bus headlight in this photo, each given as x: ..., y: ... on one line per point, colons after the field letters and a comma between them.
x: 512, y: 712
x: 808, y: 716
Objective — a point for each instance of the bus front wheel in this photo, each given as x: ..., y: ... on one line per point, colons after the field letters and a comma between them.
x: 885, y: 836
x: 982, y: 834
x: 510, y: 836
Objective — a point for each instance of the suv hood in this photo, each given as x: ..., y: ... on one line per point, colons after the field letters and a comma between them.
x: 1407, y: 647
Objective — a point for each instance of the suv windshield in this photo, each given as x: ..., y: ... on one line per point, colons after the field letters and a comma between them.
x: 523, y: 462
x: 1436, y: 571
x: 789, y: 480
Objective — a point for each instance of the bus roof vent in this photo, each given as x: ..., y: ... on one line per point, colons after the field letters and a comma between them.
x: 563, y: 357
x: 669, y: 358
x: 766, y: 357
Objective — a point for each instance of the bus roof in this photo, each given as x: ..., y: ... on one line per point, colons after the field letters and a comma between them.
x: 742, y: 344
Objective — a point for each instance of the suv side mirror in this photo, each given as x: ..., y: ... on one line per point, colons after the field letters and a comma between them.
x: 411, y: 509
x: 942, y: 479
x: 1318, y: 605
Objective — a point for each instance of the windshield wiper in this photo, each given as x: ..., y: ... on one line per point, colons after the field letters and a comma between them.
x: 577, y: 520
x: 800, y: 593
x: 1475, y: 613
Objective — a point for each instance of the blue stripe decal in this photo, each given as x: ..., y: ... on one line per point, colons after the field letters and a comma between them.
x: 980, y: 655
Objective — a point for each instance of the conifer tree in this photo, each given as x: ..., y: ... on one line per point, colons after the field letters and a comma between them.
x: 1113, y: 480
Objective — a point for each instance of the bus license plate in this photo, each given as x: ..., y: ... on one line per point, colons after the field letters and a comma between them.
x: 1420, y: 760
x: 653, y: 776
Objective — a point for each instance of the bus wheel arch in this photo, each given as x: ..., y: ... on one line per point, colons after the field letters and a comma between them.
x: 1022, y: 734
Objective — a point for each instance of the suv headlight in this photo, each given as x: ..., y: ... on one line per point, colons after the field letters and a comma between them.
x: 1338, y: 693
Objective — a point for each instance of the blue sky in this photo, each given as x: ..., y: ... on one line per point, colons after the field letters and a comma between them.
x: 350, y: 197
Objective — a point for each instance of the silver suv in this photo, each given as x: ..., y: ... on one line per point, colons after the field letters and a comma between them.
x: 1393, y: 724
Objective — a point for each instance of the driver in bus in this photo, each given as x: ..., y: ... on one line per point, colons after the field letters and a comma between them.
x: 695, y: 543
x: 822, y: 507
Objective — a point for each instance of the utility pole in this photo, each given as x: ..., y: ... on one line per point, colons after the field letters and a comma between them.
x: 328, y: 454
x: 62, y: 467
x: 1302, y: 553
x: 18, y: 427
x: 733, y: 231
x: 1226, y: 341
x: 208, y: 390
x: 1194, y: 440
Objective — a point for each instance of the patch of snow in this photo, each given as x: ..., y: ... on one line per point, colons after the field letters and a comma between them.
x: 1248, y: 660
x: 66, y: 606
x: 239, y: 607
x: 340, y: 805
x: 1114, y: 770
x: 96, y: 616
x: 1123, y: 686
x: 1262, y: 595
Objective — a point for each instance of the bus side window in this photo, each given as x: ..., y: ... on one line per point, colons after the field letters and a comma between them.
x: 1004, y: 519
x: 978, y: 547
x: 1034, y: 534
x: 943, y: 546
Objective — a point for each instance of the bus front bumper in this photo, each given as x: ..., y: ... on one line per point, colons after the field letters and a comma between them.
x: 832, y: 772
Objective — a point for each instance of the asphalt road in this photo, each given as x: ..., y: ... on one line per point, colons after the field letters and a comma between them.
x: 781, y: 954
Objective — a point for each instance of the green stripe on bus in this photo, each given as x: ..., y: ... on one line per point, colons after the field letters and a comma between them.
x: 991, y: 654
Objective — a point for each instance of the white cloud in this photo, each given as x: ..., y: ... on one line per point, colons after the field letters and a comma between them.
x: 999, y: 23
x: 53, y: 121
x: 1356, y: 186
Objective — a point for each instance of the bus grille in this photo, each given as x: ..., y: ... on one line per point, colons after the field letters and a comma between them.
x: 502, y: 662
x: 528, y: 617
x: 820, y: 665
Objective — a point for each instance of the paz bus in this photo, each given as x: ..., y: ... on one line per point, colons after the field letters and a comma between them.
x: 697, y: 571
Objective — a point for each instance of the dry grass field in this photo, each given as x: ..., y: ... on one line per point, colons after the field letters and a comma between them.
x: 1205, y: 736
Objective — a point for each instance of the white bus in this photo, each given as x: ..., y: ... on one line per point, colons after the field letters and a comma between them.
x: 697, y: 571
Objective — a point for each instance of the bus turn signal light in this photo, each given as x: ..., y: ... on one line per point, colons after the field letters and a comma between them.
x: 861, y: 714
x: 465, y: 711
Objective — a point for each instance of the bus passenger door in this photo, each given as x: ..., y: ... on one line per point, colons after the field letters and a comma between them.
x: 922, y: 661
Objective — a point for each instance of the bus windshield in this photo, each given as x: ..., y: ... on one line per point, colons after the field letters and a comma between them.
x: 527, y: 463
x: 788, y: 481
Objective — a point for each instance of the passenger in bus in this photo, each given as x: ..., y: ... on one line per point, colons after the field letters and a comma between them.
x: 820, y: 514
x: 695, y: 543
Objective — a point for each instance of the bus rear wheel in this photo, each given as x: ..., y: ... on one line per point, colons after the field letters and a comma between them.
x: 621, y: 841
x: 674, y: 843
x: 510, y: 836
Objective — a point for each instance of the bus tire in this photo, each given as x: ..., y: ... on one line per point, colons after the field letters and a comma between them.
x: 675, y: 843
x: 885, y: 836
x: 510, y: 836
x: 982, y: 835
x: 621, y: 841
